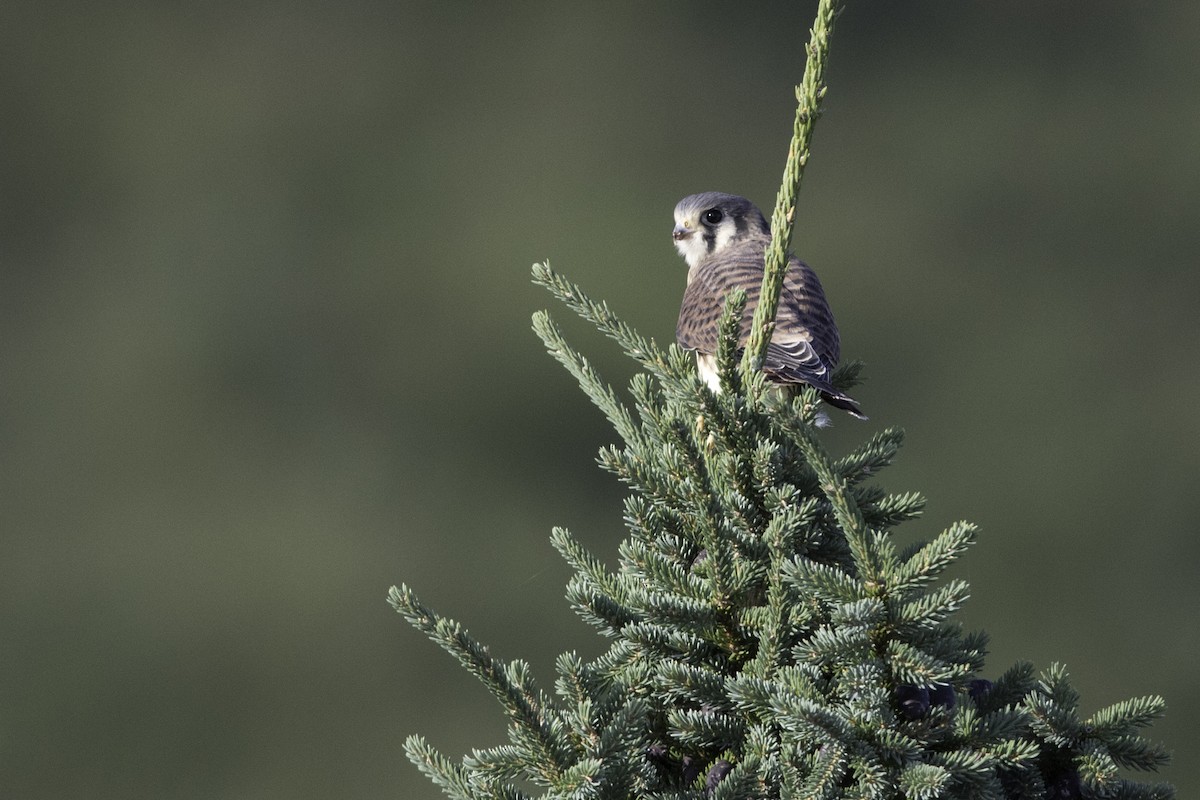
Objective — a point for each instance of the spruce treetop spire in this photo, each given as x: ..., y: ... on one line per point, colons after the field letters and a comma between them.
x: 767, y: 637
x: 809, y: 96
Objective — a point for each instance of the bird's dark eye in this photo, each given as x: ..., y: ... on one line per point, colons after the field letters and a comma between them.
x: 713, y: 216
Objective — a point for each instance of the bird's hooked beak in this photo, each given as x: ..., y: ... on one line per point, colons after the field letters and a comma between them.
x: 682, y: 232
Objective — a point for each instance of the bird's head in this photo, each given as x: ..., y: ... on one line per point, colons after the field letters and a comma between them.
x: 709, y: 222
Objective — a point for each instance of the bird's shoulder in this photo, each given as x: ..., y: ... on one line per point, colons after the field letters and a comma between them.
x: 710, y: 281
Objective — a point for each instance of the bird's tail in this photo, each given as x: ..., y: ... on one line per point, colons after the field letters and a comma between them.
x: 844, y: 402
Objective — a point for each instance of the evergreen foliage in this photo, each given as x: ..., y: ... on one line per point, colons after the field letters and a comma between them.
x: 768, y: 638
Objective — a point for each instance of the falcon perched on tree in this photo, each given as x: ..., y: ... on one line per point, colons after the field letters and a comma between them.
x: 723, y: 238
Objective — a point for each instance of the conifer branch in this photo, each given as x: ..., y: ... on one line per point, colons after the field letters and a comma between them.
x: 809, y: 96
x: 728, y: 334
x: 512, y: 684
x: 845, y: 508
x: 665, y: 365
x: 600, y: 393
x: 452, y: 778
x: 1122, y: 719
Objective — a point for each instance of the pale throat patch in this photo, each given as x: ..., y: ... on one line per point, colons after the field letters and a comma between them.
x: 687, y: 248
x: 693, y: 248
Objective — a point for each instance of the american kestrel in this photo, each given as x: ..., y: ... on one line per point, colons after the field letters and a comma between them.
x: 723, y: 238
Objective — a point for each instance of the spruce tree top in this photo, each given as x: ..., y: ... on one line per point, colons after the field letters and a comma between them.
x: 768, y: 639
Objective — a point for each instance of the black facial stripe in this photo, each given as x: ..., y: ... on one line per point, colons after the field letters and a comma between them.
x: 710, y: 239
x: 740, y: 223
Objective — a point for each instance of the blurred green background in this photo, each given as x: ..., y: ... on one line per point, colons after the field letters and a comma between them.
x: 265, y: 346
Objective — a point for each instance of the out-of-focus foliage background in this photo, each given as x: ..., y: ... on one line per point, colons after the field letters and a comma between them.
x: 265, y: 349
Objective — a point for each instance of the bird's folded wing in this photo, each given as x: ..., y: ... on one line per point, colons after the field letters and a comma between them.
x: 794, y: 360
